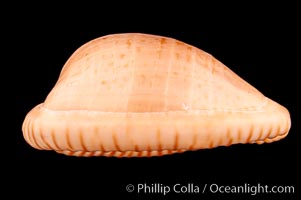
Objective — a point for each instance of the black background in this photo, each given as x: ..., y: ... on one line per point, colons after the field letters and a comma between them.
x: 263, y: 50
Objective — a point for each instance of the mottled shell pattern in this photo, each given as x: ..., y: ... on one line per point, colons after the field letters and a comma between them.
x: 139, y: 95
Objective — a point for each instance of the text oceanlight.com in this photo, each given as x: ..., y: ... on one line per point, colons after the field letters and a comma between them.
x: 214, y: 188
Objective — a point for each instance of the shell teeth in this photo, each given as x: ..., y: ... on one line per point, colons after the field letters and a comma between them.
x: 120, y: 154
x: 139, y: 95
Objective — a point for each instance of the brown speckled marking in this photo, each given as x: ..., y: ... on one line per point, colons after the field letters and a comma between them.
x: 139, y: 154
x: 176, y: 141
x: 43, y: 139
x: 193, y: 141
x: 129, y: 43
x: 162, y: 41
x: 159, y: 140
x: 69, y: 146
x: 211, y: 144
x: 81, y: 140
x: 189, y: 53
x: 136, y: 148
x: 115, y: 142
x: 56, y: 146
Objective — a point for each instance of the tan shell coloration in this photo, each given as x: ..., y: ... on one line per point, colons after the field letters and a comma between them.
x: 135, y: 94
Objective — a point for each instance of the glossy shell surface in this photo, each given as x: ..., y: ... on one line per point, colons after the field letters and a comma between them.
x: 136, y: 94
